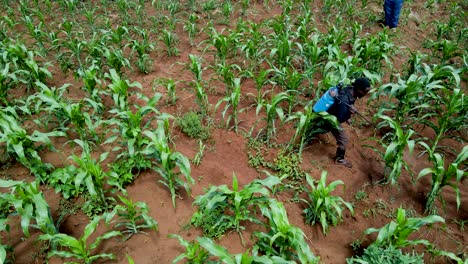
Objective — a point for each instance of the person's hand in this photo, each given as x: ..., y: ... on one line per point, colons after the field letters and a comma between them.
x: 353, y: 109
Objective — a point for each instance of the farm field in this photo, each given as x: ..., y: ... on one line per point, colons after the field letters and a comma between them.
x: 136, y: 131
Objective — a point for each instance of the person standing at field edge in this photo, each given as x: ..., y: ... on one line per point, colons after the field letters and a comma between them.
x: 342, y: 108
x: 392, y: 9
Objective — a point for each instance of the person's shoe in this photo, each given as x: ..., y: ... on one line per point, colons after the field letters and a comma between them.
x: 343, y: 162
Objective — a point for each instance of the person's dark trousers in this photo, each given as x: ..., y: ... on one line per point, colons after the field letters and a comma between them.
x: 341, y: 142
x: 392, y: 10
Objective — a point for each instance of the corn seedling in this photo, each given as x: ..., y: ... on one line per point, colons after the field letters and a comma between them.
x: 190, y: 27
x: 119, y: 88
x: 143, y: 49
x: 413, y: 99
x: 89, y: 173
x: 133, y: 217
x: 373, y: 50
x: 232, y: 101
x: 442, y: 176
x: 115, y: 59
x: 308, y: 125
x: 167, y: 161
x: 170, y: 86
x: 227, y: 72
x: 252, y: 46
x: 30, y: 204
x: 7, y: 81
x: 171, y: 40
x: 194, y: 253
x: 195, y: 66
x: 242, y: 258
x: 311, y: 52
x: 80, y: 248
x: 227, y: 9
x: 396, y: 233
x: 22, y: 146
x: 395, y: 145
x: 222, y: 209
x: 322, y: 207
x: 261, y: 78
x: 282, y: 239
x: 281, y: 52
x: 23, y: 62
x: 223, y: 44
x: 273, y: 110
x: 4, y: 249
x: 453, y: 110
x: 130, y: 126
x: 201, y: 97
x: 198, y: 157
x: 92, y: 83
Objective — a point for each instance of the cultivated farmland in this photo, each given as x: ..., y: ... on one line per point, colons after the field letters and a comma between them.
x: 136, y: 131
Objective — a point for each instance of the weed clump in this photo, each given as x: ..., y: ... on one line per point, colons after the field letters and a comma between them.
x: 191, y: 125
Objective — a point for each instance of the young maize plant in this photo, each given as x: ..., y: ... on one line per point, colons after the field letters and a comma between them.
x: 414, y: 99
x: 222, y: 209
x: 451, y: 111
x: 396, y: 233
x: 232, y: 101
x: 4, y: 228
x: 261, y: 78
x: 195, y: 66
x: 273, y: 110
x: 311, y: 53
x: 129, y: 127
x: 91, y: 78
x: 281, y: 51
x: 201, y: 97
x: 8, y: 80
x: 79, y: 248
x: 170, y: 86
x: 445, y: 50
x: 323, y: 207
x: 252, y: 45
x: 143, y: 48
x: 372, y: 50
x: 30, y: 204
x: 227, y: 10
x: 89, y: 173
x: 171, y: 40
x: 115, y: 59
x: 395, y: 144
x: 243, y: 258
x: 22, y: 146
x: 227, y: 72
x: 119, y: 88
x: 309, y: 125
x: 224, y: 45
x: 23, y: 62
x: 190, y: 27
x: 442, y: 176
x: 36, y: 32
x: 133, y: 217
x: 194, y: 253
x: 116, y: 36
x: 282, y: 239
x: 199, y: 155
x: 167, y: 161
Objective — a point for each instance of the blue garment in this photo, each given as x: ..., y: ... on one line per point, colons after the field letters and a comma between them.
x: 392, y: 10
